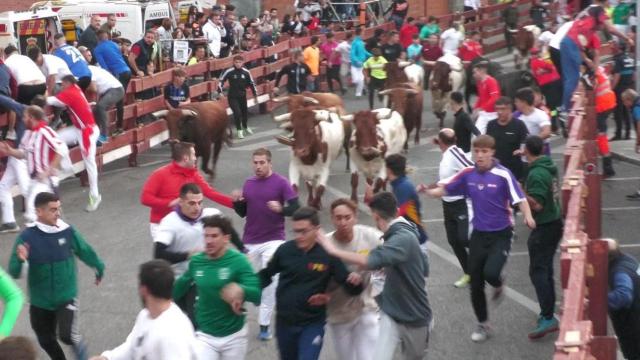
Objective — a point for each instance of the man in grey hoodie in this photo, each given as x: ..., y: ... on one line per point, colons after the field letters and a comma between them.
x: 404, y: 305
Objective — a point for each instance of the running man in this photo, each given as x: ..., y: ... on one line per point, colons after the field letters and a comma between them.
x: 265, y: 200
x: 239, y: 80
x: 305, y: 271
x: 492, y: 189
x: 353, y: 320
x: 224, y: 280
x: 161, y: 331
x: 488, y: 93
x: 84, y: 131
x: 50, y: 248
x: 44, y: 152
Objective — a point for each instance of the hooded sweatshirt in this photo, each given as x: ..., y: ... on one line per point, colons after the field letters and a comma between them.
x: 542, y: 185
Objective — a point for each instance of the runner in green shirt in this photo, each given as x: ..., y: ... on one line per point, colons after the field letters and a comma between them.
x: 13, y: 299
x: 224, y: 279
x: 430, y: 28
x: 375, y: 73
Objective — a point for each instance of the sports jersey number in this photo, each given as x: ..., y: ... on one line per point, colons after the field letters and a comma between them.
x: 74, y: 54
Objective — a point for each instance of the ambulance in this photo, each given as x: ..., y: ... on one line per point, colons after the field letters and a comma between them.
x: 35, y: 27
x: 133, y: 18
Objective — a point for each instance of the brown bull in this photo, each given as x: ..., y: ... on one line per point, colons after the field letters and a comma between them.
x: 395, y: 75
x: 202, y: 123
x: 407, y: 100
x: 525, y: 39
x: 312, y: 101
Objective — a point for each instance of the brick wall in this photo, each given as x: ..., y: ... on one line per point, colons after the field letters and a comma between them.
x: 7, y: 5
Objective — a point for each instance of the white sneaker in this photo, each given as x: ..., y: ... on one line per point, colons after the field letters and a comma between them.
x: 93, y: 203
x: 481, y: 333
x: 11, y: 135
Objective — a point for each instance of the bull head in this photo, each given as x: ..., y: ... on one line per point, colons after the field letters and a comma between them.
x: 365, y: 137
x: 174, y: 119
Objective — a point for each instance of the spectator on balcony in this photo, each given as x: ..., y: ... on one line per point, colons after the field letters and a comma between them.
x: 399, y: 10
x: 165, y: 38
x: 110, y: 28
x: 624, y: 299
x: 407, y: 31
x: 276, y: 23
x: 451, y: 38
x: 214, y: 32
x: 430, y: 28
x: 89, y: 38
x: 198, y: 55
x: 292, y: 25
x: 140, y: 54
x: 308, y: 8
x: 314, y: 22
x: 358, y: 56
x: 510, y: 19
x: 312, y: 58
x: 196, y: 29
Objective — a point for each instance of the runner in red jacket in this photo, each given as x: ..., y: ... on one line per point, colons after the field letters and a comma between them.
x: 161, y: 191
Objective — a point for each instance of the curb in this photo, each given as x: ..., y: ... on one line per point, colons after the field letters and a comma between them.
x: 625, y: 158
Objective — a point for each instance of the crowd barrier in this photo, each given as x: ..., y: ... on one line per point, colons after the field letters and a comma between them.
x: 583, y: 259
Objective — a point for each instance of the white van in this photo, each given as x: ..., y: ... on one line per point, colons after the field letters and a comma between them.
x: 26, y: 28
x: 132, y: 17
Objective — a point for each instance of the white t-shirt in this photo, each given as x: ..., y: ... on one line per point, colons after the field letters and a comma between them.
x: 545, y: 37
x: 451, y: 39
x: 182, y: 236
x: 24, y: 70
x: 53, y: 65
x: 103, y: 79
x: 475, y: 4
x: 344, y: 49
x: 342, y: 307
x: 170, y: 336
x: 559, y: 35
x: 453, y: 160
x: 535, y: 121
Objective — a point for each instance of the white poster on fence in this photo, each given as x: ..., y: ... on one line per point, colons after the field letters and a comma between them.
x: 181, y: 51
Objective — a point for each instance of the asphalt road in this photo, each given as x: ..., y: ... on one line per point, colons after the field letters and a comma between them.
x: 119, y: 233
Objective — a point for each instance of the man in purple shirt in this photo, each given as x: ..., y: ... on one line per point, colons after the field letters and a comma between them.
x: 492, y: 189
x: 264, y: 200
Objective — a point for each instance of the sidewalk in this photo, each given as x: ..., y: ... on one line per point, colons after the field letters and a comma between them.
x: 624, y: 150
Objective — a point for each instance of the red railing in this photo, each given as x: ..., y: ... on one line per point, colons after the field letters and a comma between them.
x: 583, y: 260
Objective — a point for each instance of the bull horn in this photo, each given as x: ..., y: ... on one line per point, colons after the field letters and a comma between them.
x: 403, y: 64
x: 189, y: 112
x: 346, y: 117
x: 310, y: 100
x: 380, y: 114
x: 385, y: 92
x: 411, y: 91
x: 280, y: 99
x: 160, y: 113
x: 283, y: 117
x: 285, y: 125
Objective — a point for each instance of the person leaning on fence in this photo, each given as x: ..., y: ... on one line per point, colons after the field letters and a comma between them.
x: 239, y: 80
x: 140, y: 54
x: 624, y: 299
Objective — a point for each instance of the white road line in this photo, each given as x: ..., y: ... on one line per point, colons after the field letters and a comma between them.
x: 450, y: 258
x: 623, y: 208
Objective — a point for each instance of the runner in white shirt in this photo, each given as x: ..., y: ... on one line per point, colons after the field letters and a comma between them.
x: 161, y: 331
x: 538, y: 122
x: 451, y: 39
x: 353, y: 319
x: 344, y: 49
x: 110, y: 91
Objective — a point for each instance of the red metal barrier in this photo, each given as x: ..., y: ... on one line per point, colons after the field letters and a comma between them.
x: 583, y: 260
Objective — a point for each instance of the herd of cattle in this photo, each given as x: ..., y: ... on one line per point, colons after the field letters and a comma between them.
x: 321, y: 128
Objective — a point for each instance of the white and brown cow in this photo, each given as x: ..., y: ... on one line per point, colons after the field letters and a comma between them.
x: 447, y: 75
x: 318, y: 136
x: 376, y: 135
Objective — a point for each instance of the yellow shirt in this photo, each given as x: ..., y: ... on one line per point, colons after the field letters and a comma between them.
x: 312, y: 59
x: 377, y: 67
x: 192, y: 61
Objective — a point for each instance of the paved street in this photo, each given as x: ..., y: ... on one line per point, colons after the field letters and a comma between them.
x: 119, y: 233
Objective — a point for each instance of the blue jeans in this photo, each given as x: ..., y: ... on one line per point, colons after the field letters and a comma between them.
x: 300, y: 342
x: 571, y: 60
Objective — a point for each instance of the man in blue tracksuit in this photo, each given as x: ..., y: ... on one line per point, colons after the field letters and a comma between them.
x: 358, y: 56
x: 108, y: 55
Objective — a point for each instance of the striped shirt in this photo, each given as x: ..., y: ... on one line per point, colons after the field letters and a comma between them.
x: 453, y: 160
x: 40, y: 146
x: 491, y: 192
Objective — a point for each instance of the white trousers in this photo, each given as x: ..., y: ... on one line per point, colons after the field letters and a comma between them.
x: 72, y: 136
x: 345, y: 68
x: 357, y: 78
x: 231, y: 347
x: 413, y: 341
x: 36, y: 187
x: 260, y: 255
x: 15, y: 173
x: 356, y: 339
x: 153, y: 230
x: 483, y: 119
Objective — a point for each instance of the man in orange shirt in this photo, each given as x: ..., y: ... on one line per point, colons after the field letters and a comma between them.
x: 312, y: 58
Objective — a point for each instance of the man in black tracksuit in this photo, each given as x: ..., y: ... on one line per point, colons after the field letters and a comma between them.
x: 624, y: 300
x: 239, y: 80
x: 305, y: 269
x: 297, y: 73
